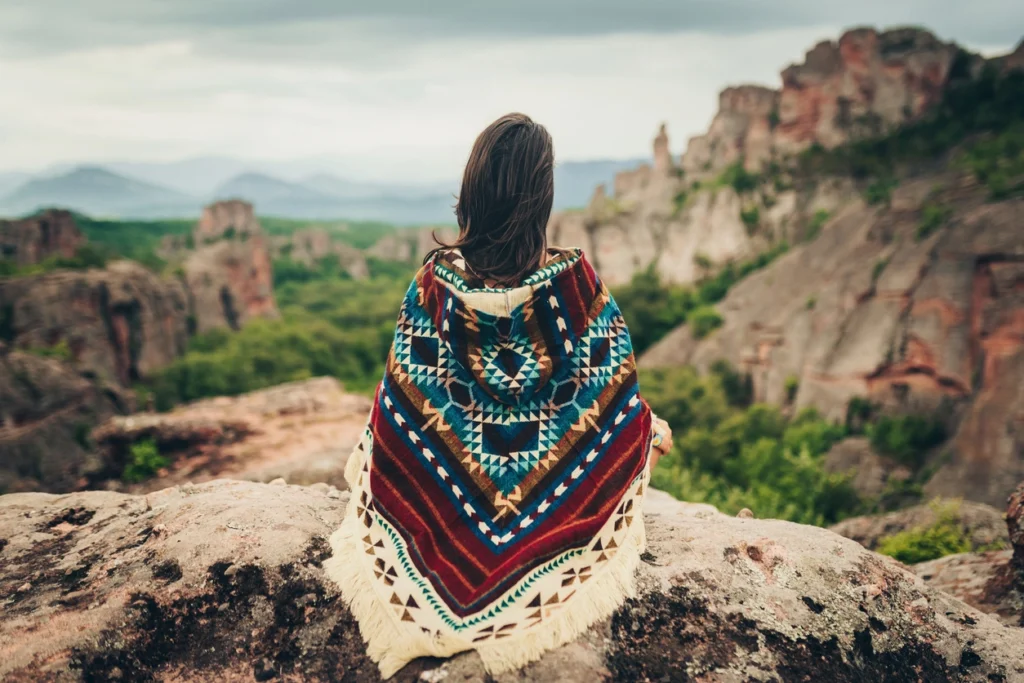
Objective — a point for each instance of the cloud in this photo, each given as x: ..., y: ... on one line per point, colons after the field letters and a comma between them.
x: 398, y: 89
x: 371, y: 30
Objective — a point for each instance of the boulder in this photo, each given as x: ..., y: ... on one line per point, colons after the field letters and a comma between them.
x: 410, y: 246
x: 871, y: 471
x: 230, y: 282
x: 301, y: 431
x: 117, y: 325
x: 46, y: 412
x: 983, y: 524
x: 231, y: 218
x: 30, y: 240
x: 992, y: 581
x: 224, y: 581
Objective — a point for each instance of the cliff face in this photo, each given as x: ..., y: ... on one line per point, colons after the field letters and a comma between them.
x: 229, y: 275
x: 410, y: 246
x: 31, y: 240
x: 917, y: 325
x: 119, y: 324
x: 224, y: 581
x: 46, y: 411
x: 312, y: 245
x: 863, y: 84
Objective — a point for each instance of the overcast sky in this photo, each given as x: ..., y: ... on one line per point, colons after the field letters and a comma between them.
x: 399, y: 89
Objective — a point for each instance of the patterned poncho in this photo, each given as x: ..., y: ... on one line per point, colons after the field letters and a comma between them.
x: 496, y: 493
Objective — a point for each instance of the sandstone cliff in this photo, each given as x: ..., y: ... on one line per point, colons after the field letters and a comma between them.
x: 864, y: 84
x: 229, y: 275
x: 46, y: 412
x: 312, y: 245
x: 31, y: 240
x: 224, y: 581
x: 116, y: 325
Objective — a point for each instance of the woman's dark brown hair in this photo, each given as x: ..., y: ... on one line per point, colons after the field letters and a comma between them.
x: 505, y: 202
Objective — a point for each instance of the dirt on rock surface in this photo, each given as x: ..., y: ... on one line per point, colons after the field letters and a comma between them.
x: 224, y: 581
x: 301, y: 431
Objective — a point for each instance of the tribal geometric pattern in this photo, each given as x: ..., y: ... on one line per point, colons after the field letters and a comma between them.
x: 496, y: 493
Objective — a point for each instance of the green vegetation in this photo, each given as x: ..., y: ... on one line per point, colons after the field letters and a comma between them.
x: 734, y: 455
x: 60, y: 351
x: 906, y: 438
x: 329, y: 325
x: 792, y: 386
x: 703, y: 321
x: 87, y: 256
x: 751, y: 218
x: 812, y: 301
x: 817, y: 221
x: 879, y: 191
x: 702, y: 261
x: 933, y: 217
x: 144, y: 462
x: 997, y: 162
x: 739, y: 178
x: 878, y: 269
x: 945, y: 536
x: 652, y: 309
x: 135, y: 240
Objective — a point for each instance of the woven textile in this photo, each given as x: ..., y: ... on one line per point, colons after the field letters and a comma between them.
x: 496, y: 493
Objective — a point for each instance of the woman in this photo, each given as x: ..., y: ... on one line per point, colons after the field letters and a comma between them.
x: 496, y: 492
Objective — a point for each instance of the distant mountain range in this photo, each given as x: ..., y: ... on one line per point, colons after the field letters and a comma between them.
x: 180, y: 189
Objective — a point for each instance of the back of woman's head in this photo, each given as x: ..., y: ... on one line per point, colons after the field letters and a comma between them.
x: 505, y: 201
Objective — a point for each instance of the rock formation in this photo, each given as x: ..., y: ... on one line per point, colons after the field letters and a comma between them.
x: 224, y: 581
x: 232, y: 217
x: 983, y: 524
x: 229, y: 275
x: 312, y: 245
x: 301, y: 431
x: 46, y: 412
x: 916, y: 325
x: 992, y: 581
x: 863, y: 84
x: 871, y: 473
x: 31, y: 240
x: 410, y: 246
x: 116, y: 325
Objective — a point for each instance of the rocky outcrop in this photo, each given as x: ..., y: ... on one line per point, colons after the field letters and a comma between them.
x: 871, y: 473
x: 992, y: 581
x: 31, y: 240
x: 228, y: 218
x: 864, y: 84
x: 410, y: 246
x: 224, y: 581
x: 871, y: 309
x: 117, y: 325
x: 312, y: 245
x: 46, y: 412
x: 983, y: 525
x: 229, y: 276
x: 301, y: 431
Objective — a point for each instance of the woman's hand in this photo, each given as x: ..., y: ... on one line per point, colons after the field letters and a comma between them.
x: 662, y: 430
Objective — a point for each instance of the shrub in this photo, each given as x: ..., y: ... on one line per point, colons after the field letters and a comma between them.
x: 60, y: 351
x: 819, y: 219
x: 907, y: 438
x: 144, y: 462
x: 703, y: 321
x: 702, y: 261
x: 792, y: 386
x: 739, y: 178
x: 880, y: 190
x: 944, y: 537
x: 933, y: 217
x: 879, y: 268
x: 751, y: 217
x: 812, y: 301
